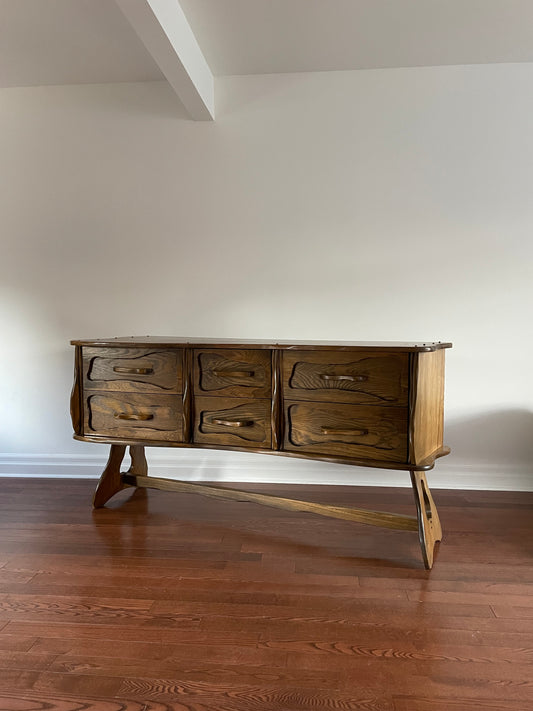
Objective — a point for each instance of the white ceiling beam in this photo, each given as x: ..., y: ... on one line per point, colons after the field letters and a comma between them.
x: 166, y: 34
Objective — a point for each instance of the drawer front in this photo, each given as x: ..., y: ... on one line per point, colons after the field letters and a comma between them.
x: 134, y: 416
x: 226, y: 373
x: 358, y: 431
x: 350, y: 377
x: 140, y: 370
x: 237, y: 422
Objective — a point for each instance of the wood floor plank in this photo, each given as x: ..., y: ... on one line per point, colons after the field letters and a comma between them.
x: 111, y: 566
x: 250, y: 653
x: 467, y: 598
x: 513, y: 611
x: 25, y: 661
x: 79, y: 684
x: 231, y: 697
x: 20, y: 577
x: 342, y: 626
x: 16, y: 642
x: 204, y: 590
x: 485, y: 686
x: 383, y: 610
x: 135, y: 633
x: 435, y: 653
x: 223, y: 575
x: 453, y: 585
x: 411, y: 703
x: 163, y: 602
x: 17, y: 701
x: 201, y: 671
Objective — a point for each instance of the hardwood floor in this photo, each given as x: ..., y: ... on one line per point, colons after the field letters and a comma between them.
x: 177, y: 602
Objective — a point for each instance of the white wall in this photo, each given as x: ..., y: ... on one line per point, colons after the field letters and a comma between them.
x: 386, y: 204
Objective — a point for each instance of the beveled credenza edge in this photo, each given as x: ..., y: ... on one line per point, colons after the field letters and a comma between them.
x: 174, y: 342
x: 428, y: 464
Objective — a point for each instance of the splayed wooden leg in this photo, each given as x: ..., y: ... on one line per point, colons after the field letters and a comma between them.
x: 139, y: 465
x: 111, y: 481
x: 429, y: 528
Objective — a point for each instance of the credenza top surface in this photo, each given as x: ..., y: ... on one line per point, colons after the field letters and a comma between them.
x: 180, y: 342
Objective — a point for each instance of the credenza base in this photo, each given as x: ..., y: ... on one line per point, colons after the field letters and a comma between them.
x: 427, y: 521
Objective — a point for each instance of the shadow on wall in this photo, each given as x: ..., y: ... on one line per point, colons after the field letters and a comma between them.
x: 498, y: 439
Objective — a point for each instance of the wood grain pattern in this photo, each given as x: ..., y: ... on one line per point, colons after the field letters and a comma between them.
x: 187, y: 411
x: 427, y: 417
x: 372, y: 518
x: 52, y: 701
x: 139, y: 416
x: 347, y: 430
x: 133, y: 370
x: 175, y: 603
x: 232, y: 421
x: 374, y: 406
x: 111, y: 481
x: 315, y: 456
x: 429, y: 526
x: 223, y: 373
x: 76, y: 395
x: 276, y: 415
x: 139, y: 465
x: 358, y: 378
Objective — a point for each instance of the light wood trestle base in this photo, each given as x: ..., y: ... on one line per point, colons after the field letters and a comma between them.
x: 426, y: 522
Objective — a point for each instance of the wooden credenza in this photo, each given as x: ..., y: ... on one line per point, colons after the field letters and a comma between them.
x: 368, y: 404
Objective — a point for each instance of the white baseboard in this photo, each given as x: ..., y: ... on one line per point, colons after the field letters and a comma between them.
x: 215, y: 465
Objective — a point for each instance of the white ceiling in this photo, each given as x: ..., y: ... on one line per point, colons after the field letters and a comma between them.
x: 271, y: 36
x: 84, y: 41
x: 69, y: 42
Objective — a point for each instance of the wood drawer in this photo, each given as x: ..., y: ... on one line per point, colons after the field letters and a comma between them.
x: 228, y: 373
x: 233, y: 421
x: 134, y: 416
x: 141, y: 370
x: 358, y: 378
x: 358, y: 431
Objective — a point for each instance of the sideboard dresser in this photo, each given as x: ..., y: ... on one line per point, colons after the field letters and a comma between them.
x: 359, y: 403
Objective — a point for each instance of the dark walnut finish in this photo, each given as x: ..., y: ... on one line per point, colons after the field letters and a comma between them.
x: 368, y: 404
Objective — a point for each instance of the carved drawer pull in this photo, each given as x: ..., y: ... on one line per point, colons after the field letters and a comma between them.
x: 354, y: 378
x: 347, y: 433
x: 234, y: 423
x: 134, y: 416
x: 133, y: 371
x: 233, y: 373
